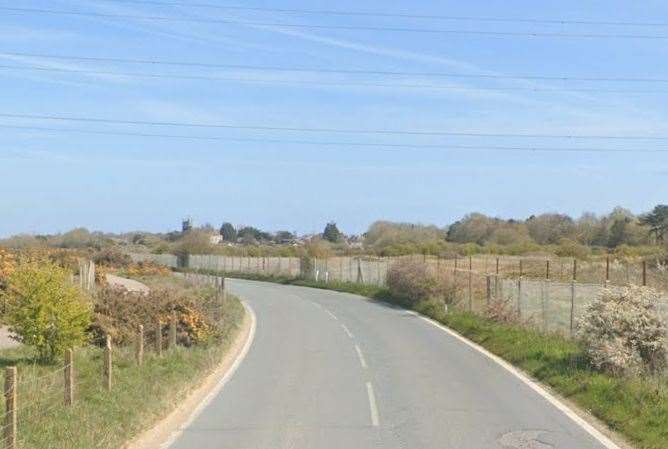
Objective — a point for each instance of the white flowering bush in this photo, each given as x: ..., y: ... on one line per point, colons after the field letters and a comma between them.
x: 623, y: 331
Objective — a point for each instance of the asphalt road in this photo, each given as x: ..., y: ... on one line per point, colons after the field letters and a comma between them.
x: 331, y: 371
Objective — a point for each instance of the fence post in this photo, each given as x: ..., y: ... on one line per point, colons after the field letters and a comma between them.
x: 172, y: 332
x: 140, y: 345
x: 607, y: 270
x: 519, y: 297
x: 644, y: 273
x: 69, y: 377
x: 521, y: 268
x: 572, y: 318
x: 470, y: 291
x: 158, y: 338
x: 11, y: 385
x: 107, y: 363
x: 489, y: 288
x: 360, y: 277
x: 575, y: 269
x: 497, y: 266
x: 547, y: 269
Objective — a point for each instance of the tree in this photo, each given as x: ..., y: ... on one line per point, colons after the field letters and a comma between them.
x: 551, y: 228
x: 249, y: 234
x: 284, y: 237
x: 228, y: 232
x: 332, y: 233
x: 618, y: 233
x: 45, y: 310
x: 657, y: 221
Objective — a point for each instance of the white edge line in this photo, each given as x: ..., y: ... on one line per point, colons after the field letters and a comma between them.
x: 604, y: 440
x: 221, y: 383
x: 373, y: 408
x: 347, y: 331
x: 361, y: 356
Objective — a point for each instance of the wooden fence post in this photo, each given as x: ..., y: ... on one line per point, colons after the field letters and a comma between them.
x: 69, y: 377
x: 172, y: 332
x: 644, y: 273
x: 107, y: 364
x: 607, y: 270
x: 547, y: 269
x: 519, y: 297
x: 572, y: 317
x: 489, y: 288
x: 158, y: 339
x: 140, y: 345
x: 497, y: 266
x: 11, y: 385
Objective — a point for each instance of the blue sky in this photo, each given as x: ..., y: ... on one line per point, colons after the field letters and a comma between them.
x: 52, y: 181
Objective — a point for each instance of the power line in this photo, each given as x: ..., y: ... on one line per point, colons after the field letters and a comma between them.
x: 320, y: 130
x: 395, y: 15
x: 344, y: 144
x: 323, y: 83
x: 338, y: 27
x: 328, y: 70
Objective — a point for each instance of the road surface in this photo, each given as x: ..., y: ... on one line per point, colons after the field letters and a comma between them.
x: 331, y: 371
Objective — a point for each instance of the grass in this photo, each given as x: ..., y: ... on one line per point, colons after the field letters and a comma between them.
x: 104, y: 419
x: 636, y: 408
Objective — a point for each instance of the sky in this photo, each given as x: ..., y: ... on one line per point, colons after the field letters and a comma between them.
x: 56, y: 175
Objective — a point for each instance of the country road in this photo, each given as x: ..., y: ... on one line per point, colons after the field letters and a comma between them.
x: 331, y: 371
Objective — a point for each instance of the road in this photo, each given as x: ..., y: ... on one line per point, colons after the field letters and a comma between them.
x: 332, y: 371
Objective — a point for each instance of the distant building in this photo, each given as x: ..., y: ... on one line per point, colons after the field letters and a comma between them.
x: 216, y: 239
x: 186, y: 225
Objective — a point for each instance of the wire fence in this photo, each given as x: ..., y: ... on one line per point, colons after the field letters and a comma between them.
x: 548, y: 293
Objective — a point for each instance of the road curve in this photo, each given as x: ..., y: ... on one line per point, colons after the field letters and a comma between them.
x: 332, y: 371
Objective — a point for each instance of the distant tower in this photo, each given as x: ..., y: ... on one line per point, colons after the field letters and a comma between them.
x: 186, y: 224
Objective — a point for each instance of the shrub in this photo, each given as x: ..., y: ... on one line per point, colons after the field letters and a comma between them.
x: 118, y: 313
x: 623, y: 331
x: 7, y: 264
x: 501, y: 311
x: 416, y: 281
x: 146, y: 268
x: 45, y: 310
x: 112, y: 257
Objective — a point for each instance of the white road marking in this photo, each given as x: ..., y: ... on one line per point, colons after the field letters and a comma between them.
x: 219, y: 386
x: 372, y: 405
x: 331, y: 314
x: 347, y: 331
x: 361, y: 356
x: 604, y: 440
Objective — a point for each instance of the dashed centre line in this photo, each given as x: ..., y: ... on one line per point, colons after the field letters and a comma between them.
x: 373, y: 408
x: 347, y: 331
x: 361, y: 357
x: 331, y: 314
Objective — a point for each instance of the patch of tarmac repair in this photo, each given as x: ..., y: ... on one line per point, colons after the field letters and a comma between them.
x: 524, y: 439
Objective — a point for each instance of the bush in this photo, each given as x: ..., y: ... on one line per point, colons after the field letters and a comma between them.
x: 416, y: 281
x: 623, y: 331
x: 112, y: 257
x: 45, y: 310
x: 118, y: 313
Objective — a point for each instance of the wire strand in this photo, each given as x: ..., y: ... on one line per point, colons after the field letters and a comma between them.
x: 321, y: 130
x: 337, y: 27
x: 325, y: 83
x: 381, y: 146
x: 327, y: 70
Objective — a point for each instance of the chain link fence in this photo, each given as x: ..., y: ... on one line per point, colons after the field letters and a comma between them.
x: 548, y: 293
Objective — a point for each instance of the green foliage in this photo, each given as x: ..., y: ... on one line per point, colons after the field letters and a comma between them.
x: 193, y: 242
x: 657, y: 221
x: 46, y: 310
x: 112, y: 257
x: 332, y: 233
x: 571, y: 248
x: 417, y: 281
x: 228, y: 232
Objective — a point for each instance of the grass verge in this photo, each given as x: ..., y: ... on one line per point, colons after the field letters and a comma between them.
x: 636, y: 408
x: 104, y: 419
